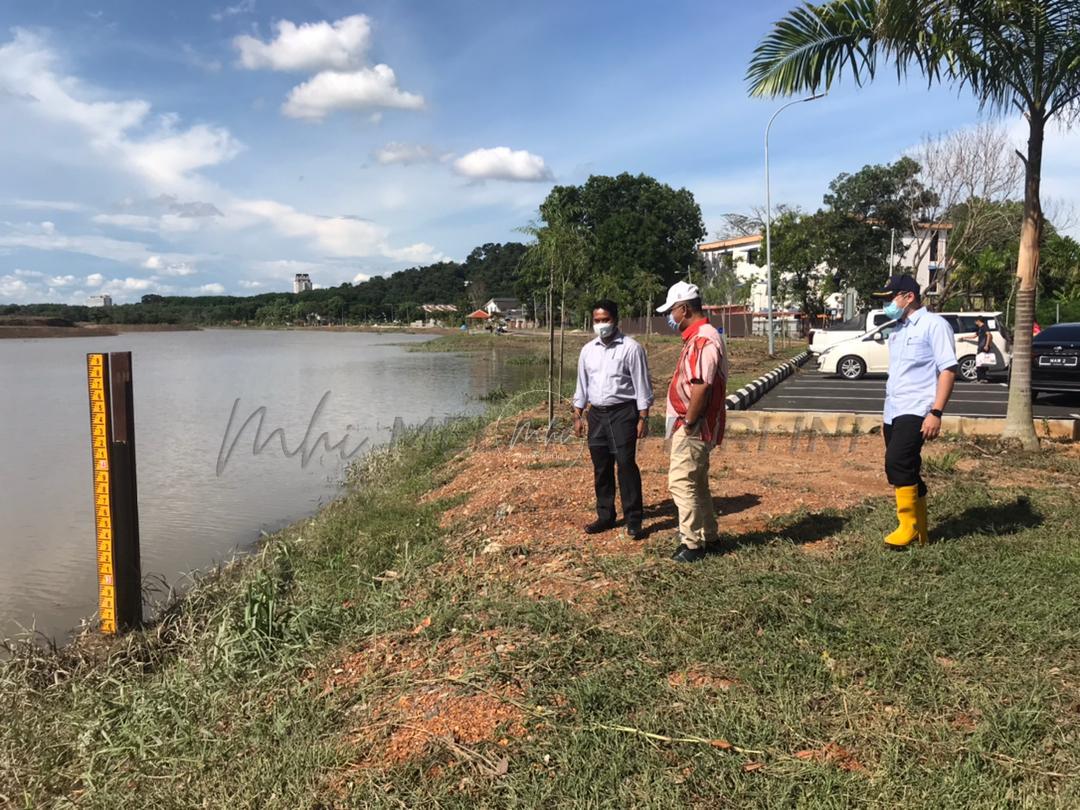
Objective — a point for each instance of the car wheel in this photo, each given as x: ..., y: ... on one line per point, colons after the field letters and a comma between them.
x: 967, y: 368
x: 851, y: 367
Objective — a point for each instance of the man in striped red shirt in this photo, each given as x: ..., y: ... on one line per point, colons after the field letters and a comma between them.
x: 695, y: 418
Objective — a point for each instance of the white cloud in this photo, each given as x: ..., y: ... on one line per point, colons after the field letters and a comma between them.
x: 420, y: 252
x: 243, y: 7
x: 212, y: 289
x: 336, y: 236
x: 501, y: 163
x: 13, y: 288
x: 169, y: 223
x: 360, y: 278
x: 170, y: 156
x: 333, y: 90
x: 117, y: 250
x: 48, y: 227
x: 29, y: 273
x: 247, y: 284
x: 68, y: 289
x: 178, y: 269
x: 164, y: 155
x: 310, y: 46
x: 404, y: 154
x: 49, y: 205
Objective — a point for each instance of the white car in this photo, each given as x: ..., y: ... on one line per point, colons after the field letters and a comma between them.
x: 868, y: 353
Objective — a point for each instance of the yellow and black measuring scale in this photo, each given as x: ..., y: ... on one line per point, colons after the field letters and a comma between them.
x: 116, y: 518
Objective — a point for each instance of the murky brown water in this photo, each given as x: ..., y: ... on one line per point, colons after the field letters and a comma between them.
x: 198, y: 504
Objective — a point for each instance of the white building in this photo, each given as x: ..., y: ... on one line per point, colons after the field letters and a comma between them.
x: 508, y: 309
x: 99, y: 301
x: 301, y: 283
x: 923, y: 254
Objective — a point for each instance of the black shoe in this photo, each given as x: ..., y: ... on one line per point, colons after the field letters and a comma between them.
x: 688, y: 555
x: 635, y: 530
x: 598, y: 526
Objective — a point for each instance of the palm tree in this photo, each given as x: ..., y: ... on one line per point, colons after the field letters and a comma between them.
x: 1022, y: 54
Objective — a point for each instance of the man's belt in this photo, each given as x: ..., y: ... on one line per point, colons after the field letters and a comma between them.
x: 609, y: 408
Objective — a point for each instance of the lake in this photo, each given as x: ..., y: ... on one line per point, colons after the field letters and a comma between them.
x: 199, y: 503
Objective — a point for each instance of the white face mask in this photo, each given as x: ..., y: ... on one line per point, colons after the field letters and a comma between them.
x: 603, y: 330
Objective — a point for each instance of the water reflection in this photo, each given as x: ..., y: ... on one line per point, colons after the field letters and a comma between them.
x: 186, y: 385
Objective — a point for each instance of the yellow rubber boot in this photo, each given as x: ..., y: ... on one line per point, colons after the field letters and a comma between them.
x: 920, y: 521
x: 906, y: 515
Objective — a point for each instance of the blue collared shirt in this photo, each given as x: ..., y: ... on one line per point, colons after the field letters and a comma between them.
x: 613, y: 373
x: 922, y: 346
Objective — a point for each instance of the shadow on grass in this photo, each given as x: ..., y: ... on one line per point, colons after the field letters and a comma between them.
x: 999, y: 519
x: 807, y: 529
x: 721, y: 505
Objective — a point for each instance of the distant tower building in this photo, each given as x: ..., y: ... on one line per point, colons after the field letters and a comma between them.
x: 99, y: 301
x: 301, y: 283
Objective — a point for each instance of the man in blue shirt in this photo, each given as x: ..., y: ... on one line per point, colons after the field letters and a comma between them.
x: 613, y: 381
x: 922, y: 371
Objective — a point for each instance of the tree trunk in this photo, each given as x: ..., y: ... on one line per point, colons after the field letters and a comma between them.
x: 1019, y: 419
x: 551, y: 351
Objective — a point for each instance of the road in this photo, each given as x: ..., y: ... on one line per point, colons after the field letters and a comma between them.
x: 810, y: 390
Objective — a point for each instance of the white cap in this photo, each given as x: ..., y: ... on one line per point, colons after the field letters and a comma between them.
x: 678, y: 292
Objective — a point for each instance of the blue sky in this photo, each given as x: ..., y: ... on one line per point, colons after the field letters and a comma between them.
x: 209, y: 147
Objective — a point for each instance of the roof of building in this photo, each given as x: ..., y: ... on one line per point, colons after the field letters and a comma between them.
x: 500, y: 303
x: 478, y: 314
x: 429, y: 308
x: 735, y: 241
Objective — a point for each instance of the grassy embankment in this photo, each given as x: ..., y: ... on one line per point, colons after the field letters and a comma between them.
x: 381, y: 655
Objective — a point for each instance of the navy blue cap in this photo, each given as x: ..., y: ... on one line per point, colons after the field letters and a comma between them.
x: 897, y: 285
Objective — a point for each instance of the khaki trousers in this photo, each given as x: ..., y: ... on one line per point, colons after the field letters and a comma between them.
x: 688, y: 481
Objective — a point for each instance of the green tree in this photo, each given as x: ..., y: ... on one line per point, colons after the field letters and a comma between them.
x: 883, y: 194
x: 558, y: 256
x: 634, y: 222
x: 798, y: 250
x: 1019, y: 54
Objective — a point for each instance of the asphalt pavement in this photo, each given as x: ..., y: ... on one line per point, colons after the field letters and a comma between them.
x: 810, y: 390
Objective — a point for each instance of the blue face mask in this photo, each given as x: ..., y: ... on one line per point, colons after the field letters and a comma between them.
x: 893, y: 310
x: 671, y: 322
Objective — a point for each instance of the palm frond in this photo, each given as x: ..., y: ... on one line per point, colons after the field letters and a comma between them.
x: 807, y: 49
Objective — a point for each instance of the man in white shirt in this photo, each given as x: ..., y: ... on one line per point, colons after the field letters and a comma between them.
x: 613, y: 382
x: 922, y: 371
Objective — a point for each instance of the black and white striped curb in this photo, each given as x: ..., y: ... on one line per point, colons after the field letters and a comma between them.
x: 752, y: 392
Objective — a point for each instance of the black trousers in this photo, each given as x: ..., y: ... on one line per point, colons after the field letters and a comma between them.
x: 613, y: 442
x: 903, y: 452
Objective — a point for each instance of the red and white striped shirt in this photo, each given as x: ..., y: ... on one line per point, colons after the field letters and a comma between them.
x: 702, y: 361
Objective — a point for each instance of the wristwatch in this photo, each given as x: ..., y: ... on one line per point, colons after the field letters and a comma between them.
x: 935, y: 412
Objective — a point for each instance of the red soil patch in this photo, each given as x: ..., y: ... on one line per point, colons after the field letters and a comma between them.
x: 832, y: 754
x: 700, y: 678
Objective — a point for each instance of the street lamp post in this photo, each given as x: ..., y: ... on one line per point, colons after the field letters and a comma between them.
x: 768, y: 216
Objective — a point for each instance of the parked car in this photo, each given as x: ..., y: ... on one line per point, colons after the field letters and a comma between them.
x: 1055, y: 359
x: 869, y: 353
x: 820, y: 339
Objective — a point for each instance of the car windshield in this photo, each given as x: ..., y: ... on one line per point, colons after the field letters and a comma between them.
x: 1060, y: 332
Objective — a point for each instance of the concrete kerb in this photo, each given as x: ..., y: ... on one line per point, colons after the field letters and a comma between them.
x: 755, y: 390
x: 848, y: 424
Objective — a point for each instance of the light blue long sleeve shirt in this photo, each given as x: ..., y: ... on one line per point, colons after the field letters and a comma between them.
x: 613, y: 373
x: 922, y: 346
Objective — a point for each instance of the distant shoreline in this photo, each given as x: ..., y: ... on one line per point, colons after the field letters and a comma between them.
x: 24, y: 332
